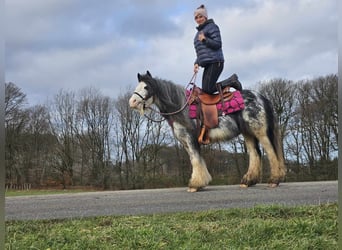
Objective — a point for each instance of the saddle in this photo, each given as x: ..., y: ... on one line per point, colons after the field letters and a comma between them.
x: 208, y: 105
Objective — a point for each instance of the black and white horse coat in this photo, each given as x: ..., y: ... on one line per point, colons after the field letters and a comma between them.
x: 256, y: 123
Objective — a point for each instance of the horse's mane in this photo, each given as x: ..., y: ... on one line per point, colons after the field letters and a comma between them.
x: 169, y: 97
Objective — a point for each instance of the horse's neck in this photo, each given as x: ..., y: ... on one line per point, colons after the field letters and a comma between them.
x: 178, y: 109
x: 174, y: 101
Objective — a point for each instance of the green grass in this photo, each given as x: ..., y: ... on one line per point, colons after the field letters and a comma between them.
x: 261, y: 227
x: 11, y: 193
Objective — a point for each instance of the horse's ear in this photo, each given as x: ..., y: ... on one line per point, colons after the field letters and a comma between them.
x: 148, y: 73
x: 139, y: 77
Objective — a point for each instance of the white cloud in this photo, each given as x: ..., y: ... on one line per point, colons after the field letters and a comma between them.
x: 276, y: 38
x: 74, y: 44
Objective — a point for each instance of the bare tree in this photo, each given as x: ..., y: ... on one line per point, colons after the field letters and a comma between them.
x: 324, y: 99
x: 62, y: 122
x: 282, y: 94
x: 307, y: 122
x: 129, y: 124
x: 15, y: 100
x: 40, y: 143
x: 95, y: 120
x: 318, y: 120
x: 16, y: 118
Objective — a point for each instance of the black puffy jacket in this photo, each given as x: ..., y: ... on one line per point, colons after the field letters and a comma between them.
x: 210, y: 50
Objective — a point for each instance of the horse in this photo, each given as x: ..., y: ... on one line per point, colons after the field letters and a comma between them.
x: 256, y: 122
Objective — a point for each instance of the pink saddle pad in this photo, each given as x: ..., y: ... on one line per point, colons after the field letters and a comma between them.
x: 233, y: 105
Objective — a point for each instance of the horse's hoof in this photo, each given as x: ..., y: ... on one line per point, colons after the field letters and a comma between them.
x: 192, y: 190
x: 273, y: 185
x: 247, y: 183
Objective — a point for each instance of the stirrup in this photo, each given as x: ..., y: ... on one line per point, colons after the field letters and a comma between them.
x: 202, y: 134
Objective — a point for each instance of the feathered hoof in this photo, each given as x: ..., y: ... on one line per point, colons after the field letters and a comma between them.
x: 193, y: 189
x: 273, y: 182
x: 247, y: 183
x: 273, y: 185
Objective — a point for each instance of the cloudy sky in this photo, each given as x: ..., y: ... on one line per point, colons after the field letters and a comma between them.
x: 73, y: 44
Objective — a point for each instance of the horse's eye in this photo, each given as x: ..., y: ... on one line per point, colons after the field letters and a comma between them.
x: 146, y: 87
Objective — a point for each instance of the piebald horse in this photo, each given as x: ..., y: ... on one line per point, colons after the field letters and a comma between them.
x: 256, y: 122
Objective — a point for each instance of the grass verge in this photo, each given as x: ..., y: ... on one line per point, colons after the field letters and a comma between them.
x: 261, y: 227
x: 11, y: 193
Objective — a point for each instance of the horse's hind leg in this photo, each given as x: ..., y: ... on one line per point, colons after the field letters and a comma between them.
x: 276, y: 160
x: 252, y: 176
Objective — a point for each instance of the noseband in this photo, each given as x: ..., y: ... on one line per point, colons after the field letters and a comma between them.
x: 143, y: 98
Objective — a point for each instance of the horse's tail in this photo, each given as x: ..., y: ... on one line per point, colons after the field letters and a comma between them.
x: 273, y: 133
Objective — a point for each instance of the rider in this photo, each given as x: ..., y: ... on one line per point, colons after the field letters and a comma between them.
x: 208, y: 46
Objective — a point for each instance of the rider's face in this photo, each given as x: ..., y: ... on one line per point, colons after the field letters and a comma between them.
x: 200, y: 19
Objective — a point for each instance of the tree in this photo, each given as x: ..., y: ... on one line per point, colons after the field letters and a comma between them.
x: 95, y: 120
x: 16, y: 118
x: 40, y: 143
x: 282, y: 94
x: 15, y: 100
x: 324, y: 99
x: 317, y: 114
x: 128, y: 139
x: 63, y: 122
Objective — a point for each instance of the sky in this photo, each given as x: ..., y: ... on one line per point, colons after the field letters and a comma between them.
x: 74, y: 44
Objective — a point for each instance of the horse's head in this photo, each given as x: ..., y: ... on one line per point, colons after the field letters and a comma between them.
x: 143, y: 95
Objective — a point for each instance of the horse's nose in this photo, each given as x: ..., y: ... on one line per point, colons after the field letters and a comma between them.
x: 132, y: 102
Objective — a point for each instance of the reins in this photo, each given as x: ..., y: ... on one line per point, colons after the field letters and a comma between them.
x: 191, y: 82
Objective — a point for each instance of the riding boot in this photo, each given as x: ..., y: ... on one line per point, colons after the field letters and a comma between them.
x: 232, y: 81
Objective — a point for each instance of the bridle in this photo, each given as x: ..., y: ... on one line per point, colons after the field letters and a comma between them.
x: 191, y: 82
x: 142, y: 98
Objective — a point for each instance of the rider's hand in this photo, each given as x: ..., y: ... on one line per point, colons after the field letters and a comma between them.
x: 196, y: 68
x: 201, y: 36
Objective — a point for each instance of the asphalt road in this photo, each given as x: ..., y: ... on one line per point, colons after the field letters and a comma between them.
x: 138, y: 202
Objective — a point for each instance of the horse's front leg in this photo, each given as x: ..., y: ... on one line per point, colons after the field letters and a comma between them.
x: 200, y: 176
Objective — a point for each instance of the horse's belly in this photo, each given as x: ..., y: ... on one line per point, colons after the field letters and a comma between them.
x: 226, y: 130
